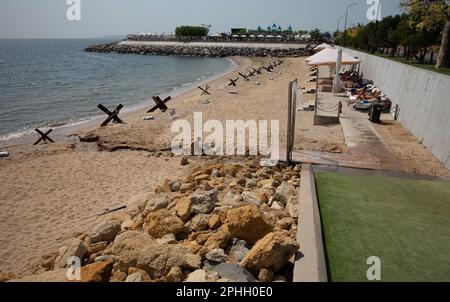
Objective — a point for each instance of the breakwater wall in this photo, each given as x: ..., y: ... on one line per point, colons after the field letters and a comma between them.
x: 203, y: 49
x: 423, y: 97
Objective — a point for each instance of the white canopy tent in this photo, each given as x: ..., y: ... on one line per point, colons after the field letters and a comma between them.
x: 322, y: 47
x: 334, y: 59
x: 329, y: 56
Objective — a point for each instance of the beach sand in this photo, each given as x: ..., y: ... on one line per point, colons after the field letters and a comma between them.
x: 49, y: 192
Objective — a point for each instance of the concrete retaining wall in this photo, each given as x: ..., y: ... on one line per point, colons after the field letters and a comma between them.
x: 423, y: 97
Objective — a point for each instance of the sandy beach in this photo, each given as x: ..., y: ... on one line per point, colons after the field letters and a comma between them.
x: 49, y: 192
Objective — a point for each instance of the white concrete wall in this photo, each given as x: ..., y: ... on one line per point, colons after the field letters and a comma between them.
x: 423, y: 97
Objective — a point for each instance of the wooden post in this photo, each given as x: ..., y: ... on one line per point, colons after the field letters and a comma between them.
x: 292, y: 104
x: 317, y: 92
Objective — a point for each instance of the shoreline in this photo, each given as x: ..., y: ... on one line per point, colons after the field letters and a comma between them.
x: 66, y: 132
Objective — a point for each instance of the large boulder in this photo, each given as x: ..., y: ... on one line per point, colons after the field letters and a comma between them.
x: 97, y: 272
x: 248, y: 223
x: 155, y: 204
x: 203, y: 202
x: 162, y: 222
x: 106, y: 231
x: 140, y: 250
x: 76, y: 248
x: 272, y: 252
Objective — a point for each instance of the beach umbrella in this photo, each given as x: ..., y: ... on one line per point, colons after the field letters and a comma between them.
x: 269, y: 36
x: 329, y: 56
x: 252, y: 36
x: 280, y: 37
x: 243, y: 36
x: 235, y: 36
x: 261, y: 36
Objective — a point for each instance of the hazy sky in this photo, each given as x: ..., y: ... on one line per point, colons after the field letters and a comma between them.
x: 47, y: 18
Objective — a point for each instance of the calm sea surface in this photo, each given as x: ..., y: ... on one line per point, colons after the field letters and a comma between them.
x: 50, y: 83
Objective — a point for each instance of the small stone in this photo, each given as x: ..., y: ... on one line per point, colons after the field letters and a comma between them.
x: 175, y: 275
x: 265, y: 275
x: 186, y: 187
x: 202, y: 177
x: 217, y: 240
x: 199, y: 223
x: 148, y: 118
x: 238, y: 250
x: 97, y: 247
x: 156, y: 204
x: 232, y: 199
x: 184, y: 161
x: 251, y: 183
x: 214, y: 222
x: 197, y: 276
x: 251, y: 198
x: 162, y: 222
x: 217, y: 255
x: 175, y: 186
x: 292, y: 206
x: 285, y: 223
x: 277, y: 206
x: 215, y: 173
x: 268, y: 183
x: 280, y: 278
x: 212, y: 276
x: 203, y: 202
x: 106, y: 258
x: 167, y: 239
x: 232, y: 272
x: 183, y: 208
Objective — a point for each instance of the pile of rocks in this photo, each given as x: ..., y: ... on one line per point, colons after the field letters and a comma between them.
x: 225, y: 222
x: 195, y: 51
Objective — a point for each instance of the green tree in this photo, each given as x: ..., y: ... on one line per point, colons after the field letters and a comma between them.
x: 429, y: 17
x: 316, y: 35
x: 191, y: 31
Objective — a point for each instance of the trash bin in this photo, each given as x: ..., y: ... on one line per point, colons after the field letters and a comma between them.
x: 375, y: 113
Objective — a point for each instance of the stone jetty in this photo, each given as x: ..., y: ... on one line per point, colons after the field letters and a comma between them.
x: 199, y: 49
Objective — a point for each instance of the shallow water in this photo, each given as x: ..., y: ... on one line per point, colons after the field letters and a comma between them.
x: 50, y: 83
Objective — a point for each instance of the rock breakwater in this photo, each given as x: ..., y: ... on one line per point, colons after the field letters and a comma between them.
x: 187, y: 50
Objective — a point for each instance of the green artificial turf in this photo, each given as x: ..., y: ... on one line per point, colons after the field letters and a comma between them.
x: 406, y: 223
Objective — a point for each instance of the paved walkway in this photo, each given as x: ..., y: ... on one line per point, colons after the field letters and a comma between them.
x: 363, y: 140
x: 366, y: 148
